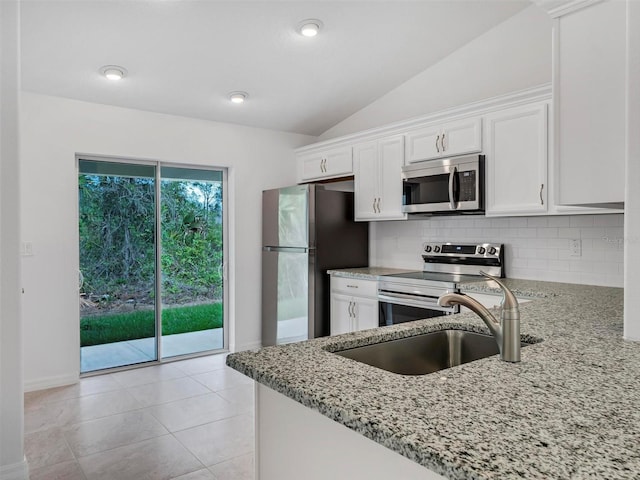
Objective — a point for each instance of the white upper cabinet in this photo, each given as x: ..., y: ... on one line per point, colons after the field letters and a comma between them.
x: 377, y: 179
x: 324, y: 164
x: 516, y: 160
x: 589, y: 95
x: 447, y: 140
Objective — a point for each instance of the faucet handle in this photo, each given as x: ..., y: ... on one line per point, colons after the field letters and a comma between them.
x: 510, y: 301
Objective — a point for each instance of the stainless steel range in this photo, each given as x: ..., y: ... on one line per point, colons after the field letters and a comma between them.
x: 404, y: 297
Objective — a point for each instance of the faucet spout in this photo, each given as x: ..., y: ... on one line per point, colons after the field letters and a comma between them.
x: 506, y: 331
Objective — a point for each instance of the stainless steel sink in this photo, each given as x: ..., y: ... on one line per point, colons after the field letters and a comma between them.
x: 425, y: 353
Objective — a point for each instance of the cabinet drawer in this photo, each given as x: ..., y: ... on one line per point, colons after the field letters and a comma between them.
x: 355, y: 287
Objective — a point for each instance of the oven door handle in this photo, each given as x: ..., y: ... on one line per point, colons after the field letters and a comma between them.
x: 411, y: 301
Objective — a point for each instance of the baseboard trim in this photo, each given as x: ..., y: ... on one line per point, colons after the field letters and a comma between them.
x: 50, y: 382
x: 16, y: 471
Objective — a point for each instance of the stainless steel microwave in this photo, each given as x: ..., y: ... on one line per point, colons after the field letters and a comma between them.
x: 447, y: 185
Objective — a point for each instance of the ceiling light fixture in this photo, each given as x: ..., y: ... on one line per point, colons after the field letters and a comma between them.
x: 113, y: 72
x: 238, y: 97
x: 310, y: 27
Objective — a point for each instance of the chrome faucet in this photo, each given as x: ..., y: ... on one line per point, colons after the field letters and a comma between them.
x: 507, y: 331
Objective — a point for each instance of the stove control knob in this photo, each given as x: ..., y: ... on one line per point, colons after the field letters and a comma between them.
x: 436, y: 249
x: 427, y: 248
x: 492, y: 251
x: 481, y: 250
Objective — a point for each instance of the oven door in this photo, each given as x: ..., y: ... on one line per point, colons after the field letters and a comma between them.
x: 395, y: 308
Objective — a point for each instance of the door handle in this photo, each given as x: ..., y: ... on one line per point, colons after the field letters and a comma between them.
x: 541, y: 199
x: 442, y: 142
x: 374, y: 205
x: 437, y: 147
x: 452, y: 200
x: 379, y: 211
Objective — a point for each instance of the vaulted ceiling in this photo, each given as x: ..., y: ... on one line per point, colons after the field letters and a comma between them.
x: 184, y: 56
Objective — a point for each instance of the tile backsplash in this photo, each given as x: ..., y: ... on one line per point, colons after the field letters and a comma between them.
x: 536, y: 248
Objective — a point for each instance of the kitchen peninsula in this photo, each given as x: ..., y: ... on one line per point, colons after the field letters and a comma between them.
x: 570, y: 409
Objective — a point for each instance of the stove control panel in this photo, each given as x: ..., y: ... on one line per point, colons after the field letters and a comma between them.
x: 463, y: 249
x: 464, y: 258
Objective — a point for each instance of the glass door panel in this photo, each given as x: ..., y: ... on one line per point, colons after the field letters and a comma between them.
x: 191, y: 260
x: 117, y: 264
x: 293, y: 296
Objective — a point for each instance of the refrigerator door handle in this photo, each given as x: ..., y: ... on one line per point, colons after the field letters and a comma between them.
x: 286, y: 249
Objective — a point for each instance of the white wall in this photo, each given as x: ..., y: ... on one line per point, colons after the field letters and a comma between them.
x: 514, y: 55
x: 12, y: 463
x: 53, y: 131
x: 632, y: 196
x: 537, y: 248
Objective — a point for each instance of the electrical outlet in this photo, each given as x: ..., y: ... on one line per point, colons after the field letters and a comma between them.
x: 575, y: 247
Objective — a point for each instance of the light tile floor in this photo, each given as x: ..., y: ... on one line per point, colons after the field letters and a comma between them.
x: 186, y: 420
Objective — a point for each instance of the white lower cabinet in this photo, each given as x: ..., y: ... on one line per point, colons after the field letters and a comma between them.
x: 354, y: 305
x: 516, y: 160
x: 377, y: 168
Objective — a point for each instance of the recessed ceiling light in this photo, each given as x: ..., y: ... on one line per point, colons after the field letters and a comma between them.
x: 114, y: 72
x: 238, y: 97
x: 310, y: 27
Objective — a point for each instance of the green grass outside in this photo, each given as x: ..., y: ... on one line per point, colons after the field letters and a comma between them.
x: 119, y: 327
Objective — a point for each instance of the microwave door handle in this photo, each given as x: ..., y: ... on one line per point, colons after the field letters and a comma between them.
x: 452, y: 193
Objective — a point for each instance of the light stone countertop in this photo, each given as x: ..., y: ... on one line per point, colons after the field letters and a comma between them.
x: 569, y: 410
x: 366, y: 273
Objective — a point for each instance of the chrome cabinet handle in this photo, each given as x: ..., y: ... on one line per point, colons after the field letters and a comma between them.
x: 442, y: 142
x: 452, y: 200
x: 541, y: 188
x: 437, y: 148
x: 374, y: 205
x: 378, y: 204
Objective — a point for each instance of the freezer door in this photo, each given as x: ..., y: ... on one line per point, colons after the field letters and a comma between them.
x: 285, y: 217
x: 285, y: 295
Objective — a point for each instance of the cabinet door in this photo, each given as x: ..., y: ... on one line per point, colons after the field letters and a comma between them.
x: 366, y: 180
x: 310, y: 166
x: 342, y: 307
x: 461, y: 137
x: 391, y: 159
x: 589, y: 91
x: 366, y: 313
x: 325, y: 164
x: 423, y: 144
x: 516, y: 160
x: 339, y: 162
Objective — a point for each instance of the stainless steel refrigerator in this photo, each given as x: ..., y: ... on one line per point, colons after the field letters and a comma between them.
x: 306, y: 230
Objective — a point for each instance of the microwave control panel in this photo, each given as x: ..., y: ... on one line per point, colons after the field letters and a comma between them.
x: 467, y: 186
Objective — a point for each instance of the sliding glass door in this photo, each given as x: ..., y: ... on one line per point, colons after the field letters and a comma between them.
x: 151, y: 262
x: 192, y: 260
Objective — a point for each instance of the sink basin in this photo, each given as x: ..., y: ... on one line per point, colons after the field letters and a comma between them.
x: 426, y: 353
